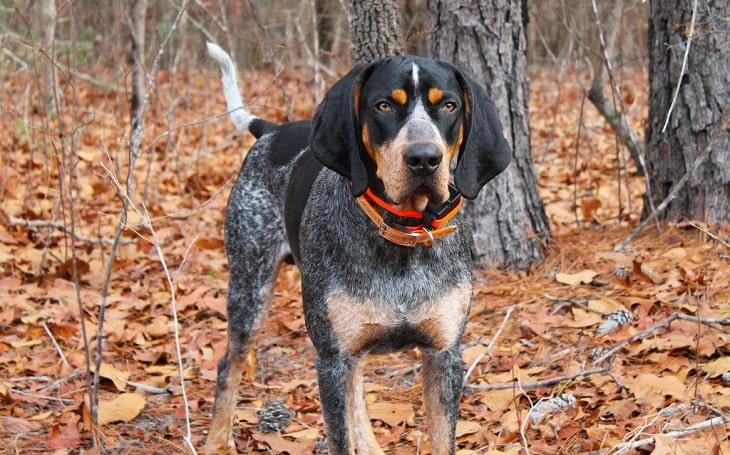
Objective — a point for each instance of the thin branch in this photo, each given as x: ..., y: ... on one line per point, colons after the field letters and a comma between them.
x: 57, y: 383
x: 145, y: 216
x: 36, y: 224
x: 148, y: 388
x: 575, y: 163
x: 55, y: 345
x: 541, y: 383
x: 489, y: 347
x: 663, y: 323
x: 676, y: 434
x: 721, y: 129
x: 31, y: 378
x: 705, y: 231
x: 41, y: 397
x: 684, y: 64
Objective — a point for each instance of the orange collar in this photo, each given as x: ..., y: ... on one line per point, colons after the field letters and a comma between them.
x: 420, y: 234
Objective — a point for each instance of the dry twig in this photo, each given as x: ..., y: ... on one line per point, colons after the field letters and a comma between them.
x: 663, y: 323
x: 705, y: 231
x: 55, y: 345
x: 542, y: 383
x: 489, y: 347
x: 682, y: 71
x: 36, y: 224
x: 675, y: 434
x: 41, y: 397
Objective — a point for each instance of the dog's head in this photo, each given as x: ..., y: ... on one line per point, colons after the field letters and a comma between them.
x: 398, y: 125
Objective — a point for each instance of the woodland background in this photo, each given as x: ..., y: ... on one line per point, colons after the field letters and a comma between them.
x: 105, y: 231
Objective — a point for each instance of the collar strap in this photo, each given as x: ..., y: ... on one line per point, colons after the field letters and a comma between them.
x: 420, y: 234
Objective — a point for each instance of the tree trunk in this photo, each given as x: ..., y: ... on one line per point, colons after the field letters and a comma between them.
x: 135, y: 58
x: 701, y: 102
x: 375, y: 30
x: 48, y: 32
x: 486, y: 39
x: 325, y: 11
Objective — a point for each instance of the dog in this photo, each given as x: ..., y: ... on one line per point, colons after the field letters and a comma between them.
x: 361, y: 198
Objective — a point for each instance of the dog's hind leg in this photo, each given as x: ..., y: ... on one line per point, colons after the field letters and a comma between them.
x: 255, y: 244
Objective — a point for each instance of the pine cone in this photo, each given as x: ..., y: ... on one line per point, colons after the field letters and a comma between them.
x: 274, y: 416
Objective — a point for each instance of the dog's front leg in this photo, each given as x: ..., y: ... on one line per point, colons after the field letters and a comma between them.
x: 361, y: 432
x: 334, y: 373
x: 343, y: 406
x: 442, y: 386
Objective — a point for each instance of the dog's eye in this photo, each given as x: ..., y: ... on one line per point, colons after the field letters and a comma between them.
x: 383, y: 106
x: 449, y: 106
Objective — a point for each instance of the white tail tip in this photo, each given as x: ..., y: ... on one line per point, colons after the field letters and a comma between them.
x: 239, y: 115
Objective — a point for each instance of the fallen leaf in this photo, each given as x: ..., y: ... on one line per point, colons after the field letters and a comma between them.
x: 15, y: 425
x: 675, y: 253
x: 247, y: 415
x: 119, y: 378
x: 25, y: 343
x: 716, y: 367
x: 653, y: 390
x: 65, y: 432
x: 123, y: 408
x: 583, y: 318
x: 498, y: 400
x: 619, y: 409
x: 280, y: 445
x: 464, y: 427
x: 574, y: 279
x: 605, y: 305
x: 309, y: 433
x: 470, y: 354
x: 393, y: 414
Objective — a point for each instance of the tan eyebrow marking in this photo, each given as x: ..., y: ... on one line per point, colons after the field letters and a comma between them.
x: 435, y: 95
x: 399, y: 96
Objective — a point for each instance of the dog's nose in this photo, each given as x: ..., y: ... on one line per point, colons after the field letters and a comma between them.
x: 423, y: 159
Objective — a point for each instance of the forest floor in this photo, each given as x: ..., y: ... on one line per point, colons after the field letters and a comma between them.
x: 592, y: 349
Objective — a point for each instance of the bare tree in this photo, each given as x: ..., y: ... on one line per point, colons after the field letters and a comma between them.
x: 486, y: 39
x: 613, y: 113
x: 687, y: 139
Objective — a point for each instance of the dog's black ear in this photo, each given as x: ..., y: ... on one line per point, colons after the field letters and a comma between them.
x: 334, y: 139
x: 484, y: 151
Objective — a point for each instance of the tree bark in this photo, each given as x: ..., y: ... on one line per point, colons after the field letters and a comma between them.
x: 375, y: 30
x: 486, y: 39
x: 703, y: 72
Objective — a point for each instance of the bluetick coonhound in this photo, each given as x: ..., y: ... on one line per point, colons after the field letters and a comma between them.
x: 360, y: 197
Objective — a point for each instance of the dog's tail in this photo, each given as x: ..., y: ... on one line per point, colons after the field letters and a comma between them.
x: 240, y: 116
